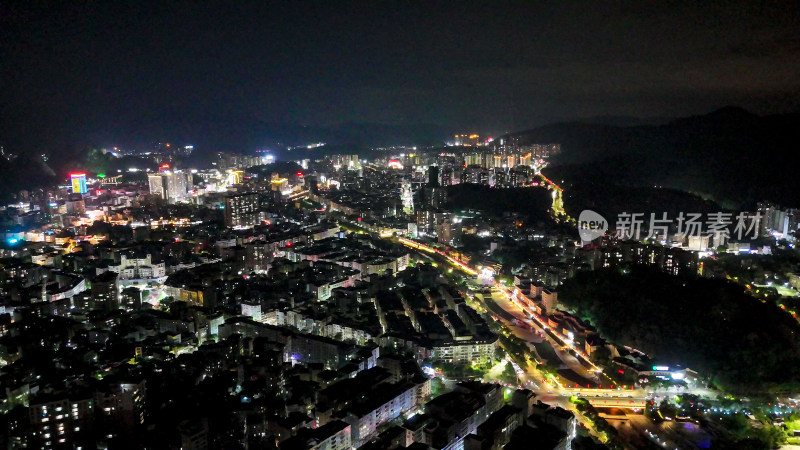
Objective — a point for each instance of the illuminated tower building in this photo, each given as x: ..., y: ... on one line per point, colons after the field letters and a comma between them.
x: 512, y: 159
x: 235, y: 177
x: 156, y: 185
x: 56, y: 419
x: 407, y: 197
x: 446, y: 176
x: 78, y: 181
x: 467, y: 139
x: 178, y: 184
x: 241, y: 210
x: 120, y: 407
x: 105, y: 291
x: 169, y: 185
x: 252, y: 309
x: 473, y: 159
x: 498, y: 161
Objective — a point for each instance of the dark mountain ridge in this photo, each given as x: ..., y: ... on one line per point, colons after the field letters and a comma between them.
x: 731, y: 155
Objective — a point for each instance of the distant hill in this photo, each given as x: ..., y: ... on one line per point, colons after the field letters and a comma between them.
x: 23, y: 173
x: 357, y: 135
x: 241, y: 132
x: 731, y: 155
x: 626, y: 121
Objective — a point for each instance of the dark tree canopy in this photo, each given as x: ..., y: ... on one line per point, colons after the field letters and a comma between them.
x: 704, y: 324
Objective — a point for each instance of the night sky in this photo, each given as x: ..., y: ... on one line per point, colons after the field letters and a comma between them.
x: 129, y: 73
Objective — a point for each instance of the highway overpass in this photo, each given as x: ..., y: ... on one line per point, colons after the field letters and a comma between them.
x: 617, y: 402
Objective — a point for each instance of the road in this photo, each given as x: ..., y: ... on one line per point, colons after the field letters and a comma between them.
x: 554, y: 394
x: 548, y: 392
x: 537, y: 334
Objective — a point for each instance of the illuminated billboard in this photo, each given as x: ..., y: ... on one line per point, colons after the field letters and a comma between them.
x: 395, y: 164
x: 78, y: 183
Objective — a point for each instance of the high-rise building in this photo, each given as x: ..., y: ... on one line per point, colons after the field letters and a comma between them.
x: 252, y: 310
x: 349, y: 162
x: 447, y: 231
x: 237, y: 161
x: 500, y: 178
x: 428, y: 220
x: 241, y: 210
x: 549, y: 300
x: 194, y: 434
x: 775, y: 219
x: 310, y: 182
x: 78, y: 181
x: 475, y: 175
x: 170, y: 185
x: 473, y: 159
x: 517, y: 177
x: 105, y: 291
x: 131, y: 298
x: 541, y: 151
x: 156, y: 185
x: 235, y: 176
x: 57, y: 419
x: 120, y: 408
x: 498, y: 161
x: 768, y: 212
x: 794, y: 217
x: 467, y: 139
x: 407, y: 196
x: 75, y: 204
x: 435, y: 196
x: 512, y: 159
x: 446, y: 176
x: 178, y: 184
x: 433, y: 176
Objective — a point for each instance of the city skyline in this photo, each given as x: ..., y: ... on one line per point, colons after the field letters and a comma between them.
x: 387, y: 226
x: 452, y: 291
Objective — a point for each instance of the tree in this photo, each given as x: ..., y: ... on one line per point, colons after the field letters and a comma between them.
x: 499, y: 353
x: 710, y: 325
x: 437, y: 387
x: 668, y: 409
x: 546, y: 368
x: 602, y: 356
x: 509, y: 375
x: 99, y: 228
x: 651, y: 412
